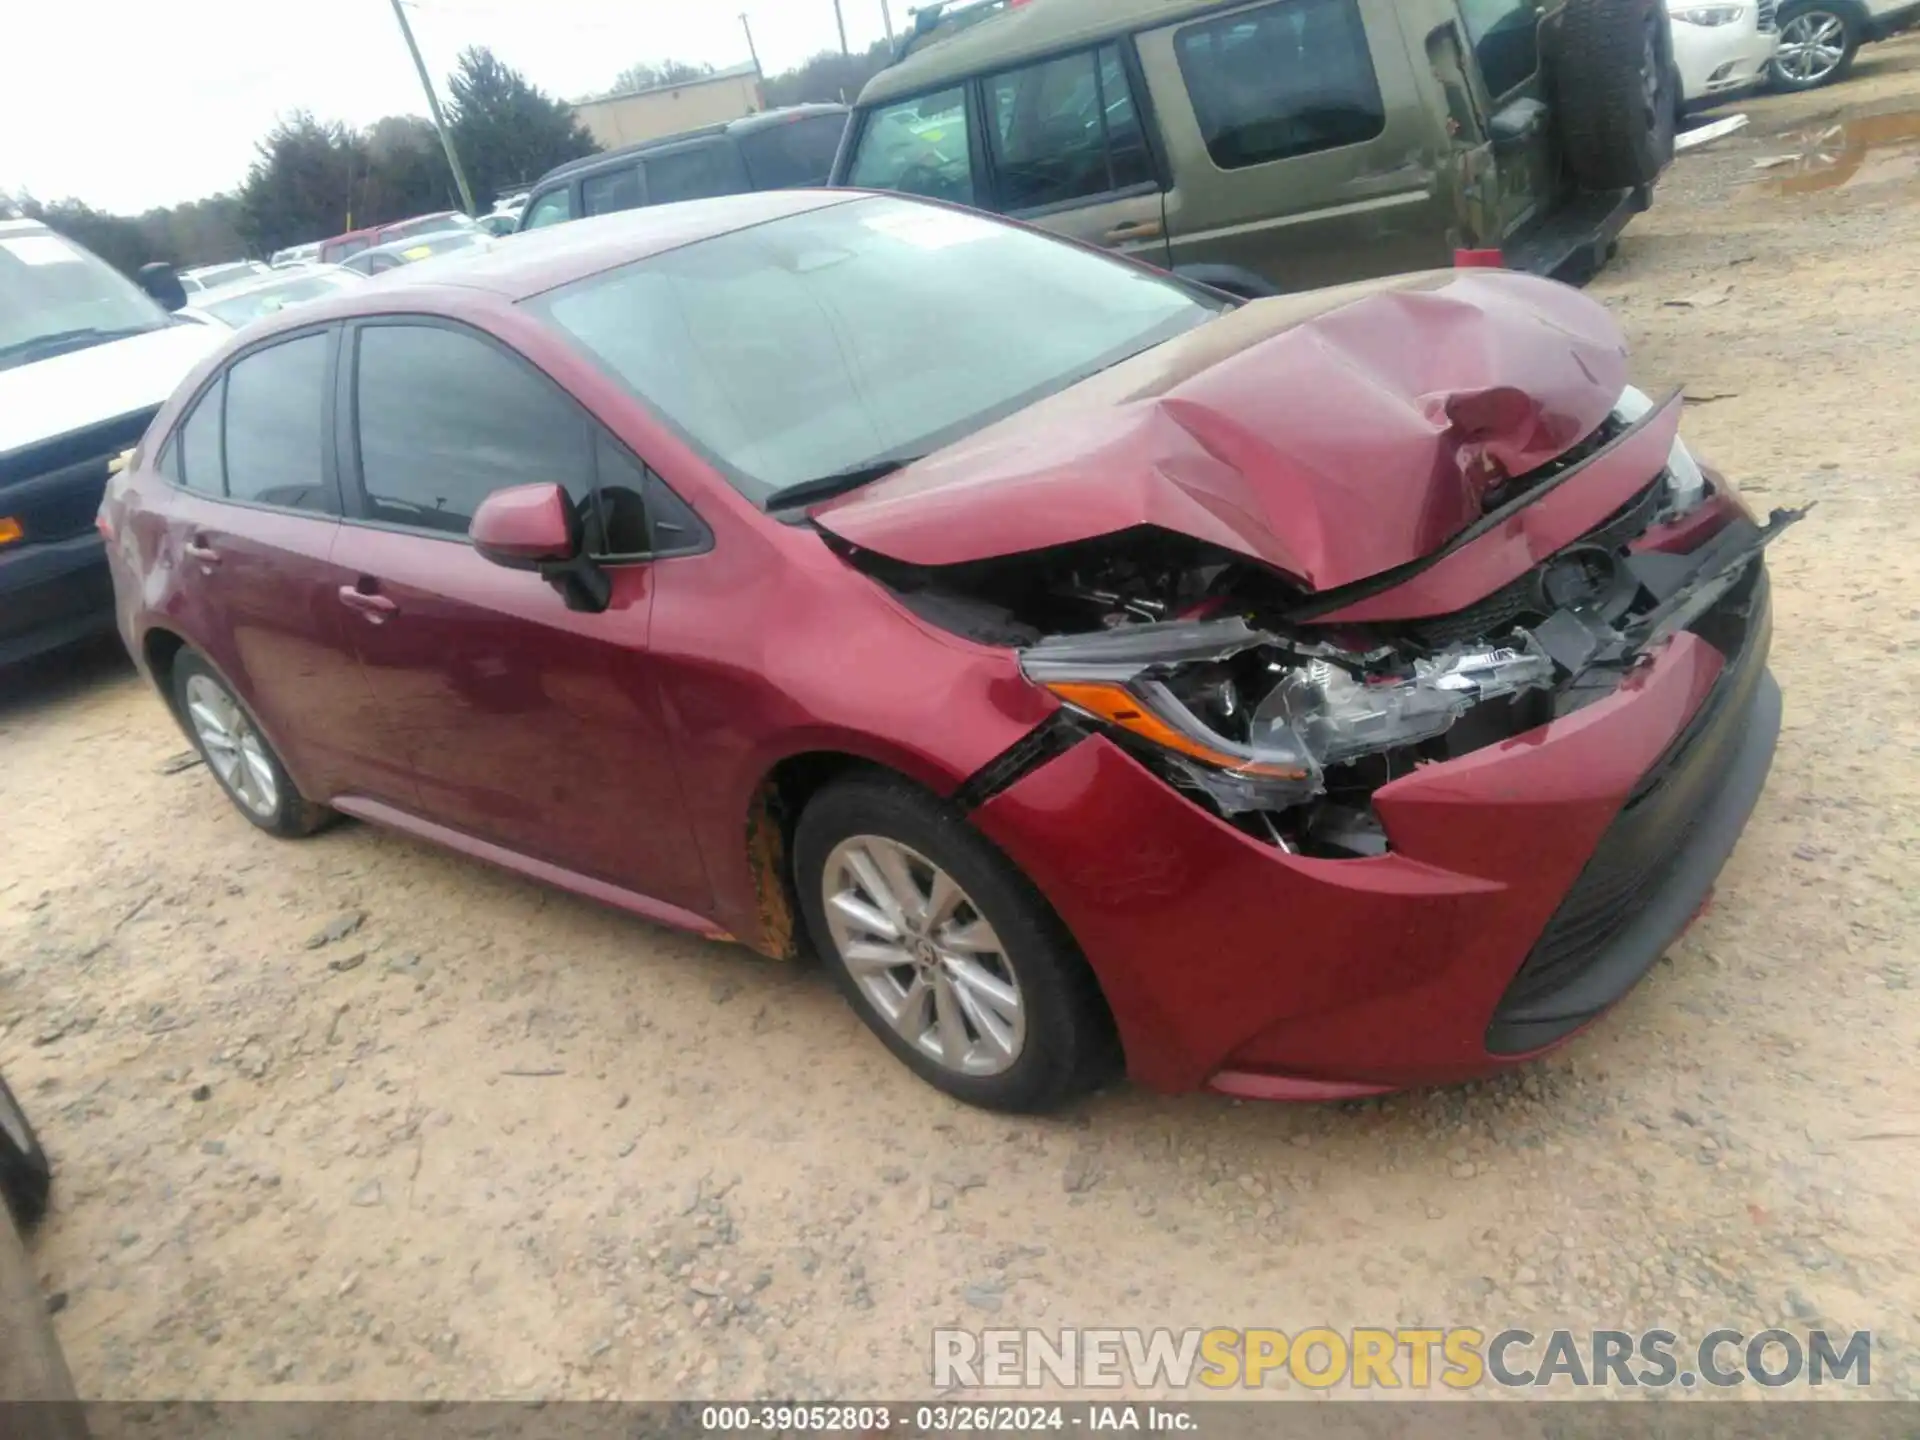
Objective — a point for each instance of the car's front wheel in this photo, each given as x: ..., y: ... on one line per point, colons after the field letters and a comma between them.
x: 1817, y: 45
x: 242, y: 760
x: 945, y: 950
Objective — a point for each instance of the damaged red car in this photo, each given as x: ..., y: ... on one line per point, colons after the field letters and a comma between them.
x: 1299, y: 698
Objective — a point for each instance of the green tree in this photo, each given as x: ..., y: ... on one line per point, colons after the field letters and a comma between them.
x: 304, y: 184
x: 407, y: 171
x: 508, y: 132
x: 114, y: 238
x: 645, y: 76
x: 827, y: 77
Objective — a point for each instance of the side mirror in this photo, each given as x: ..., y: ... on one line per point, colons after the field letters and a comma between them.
x: 158, y: 280
x: 535, y: 527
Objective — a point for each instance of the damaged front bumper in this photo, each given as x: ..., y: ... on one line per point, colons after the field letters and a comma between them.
x: 1529, y: 884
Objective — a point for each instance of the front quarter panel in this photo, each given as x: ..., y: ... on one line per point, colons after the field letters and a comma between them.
x: 769, y: 647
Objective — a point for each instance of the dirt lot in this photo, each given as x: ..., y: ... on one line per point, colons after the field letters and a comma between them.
x: 496, y: 1141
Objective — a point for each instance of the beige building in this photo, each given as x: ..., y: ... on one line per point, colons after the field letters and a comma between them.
x: 668, y: 109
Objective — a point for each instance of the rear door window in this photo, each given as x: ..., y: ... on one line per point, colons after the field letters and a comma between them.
x: 550, y: 209
x: 1284, y: 80
x: 792, y: 154
x: 695, y: 174
x: 1066, y: 129
x: 615, y: 190
x: 275, y: 415
x: 197, y: 450
x: 918, y: 147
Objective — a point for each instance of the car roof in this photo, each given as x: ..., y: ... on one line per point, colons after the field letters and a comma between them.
x: 745, y: 125
x: 540, y: 260
x: 1018, y: 33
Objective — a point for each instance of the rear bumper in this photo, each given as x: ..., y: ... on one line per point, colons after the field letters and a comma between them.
x: 1228, y: 963
x: 52, y: 595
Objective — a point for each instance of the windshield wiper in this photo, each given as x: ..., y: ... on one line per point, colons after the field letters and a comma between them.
x: 60, y: 342
x: 838, y: 483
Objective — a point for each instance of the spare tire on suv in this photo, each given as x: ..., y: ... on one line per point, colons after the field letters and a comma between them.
x: 1615, y: 90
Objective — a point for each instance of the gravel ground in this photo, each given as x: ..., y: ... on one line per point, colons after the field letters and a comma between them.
x: 357, y: 1118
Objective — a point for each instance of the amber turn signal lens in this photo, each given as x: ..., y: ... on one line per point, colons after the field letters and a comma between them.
x: 1117, y: 706
x: 10, y: 530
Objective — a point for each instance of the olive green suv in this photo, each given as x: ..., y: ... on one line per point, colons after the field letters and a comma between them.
x: 1272, y: 145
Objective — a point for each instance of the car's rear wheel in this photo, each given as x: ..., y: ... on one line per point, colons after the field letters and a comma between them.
x: 25, y: 1176
x: 1817, y: 46
x: 237, y: 752
x: 946, y: 950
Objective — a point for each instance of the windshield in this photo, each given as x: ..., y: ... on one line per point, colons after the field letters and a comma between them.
x: 878, y: 328
x: 55, y: 297
x: 250, y: 305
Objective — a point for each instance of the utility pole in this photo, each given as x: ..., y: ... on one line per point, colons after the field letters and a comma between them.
x: 886, y: 18
x: 839, y: 18
x: 747, y: 25
x: 433, y: 108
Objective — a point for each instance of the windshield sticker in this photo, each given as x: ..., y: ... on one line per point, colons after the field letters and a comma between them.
x: 40, y: 250
x: 931, y: 229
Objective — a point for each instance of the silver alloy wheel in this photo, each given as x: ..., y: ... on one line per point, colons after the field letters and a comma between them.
x: 232, y: 746
x: 1812, y: 45
x: 14, y: 1123
x: 924, y: 955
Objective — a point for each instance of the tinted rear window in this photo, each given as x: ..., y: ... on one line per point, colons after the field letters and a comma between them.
x: 276, y: 403
x: 1284, y: 80
x: 614, y: 190
x: 695, y: 174
x: 794, y: 154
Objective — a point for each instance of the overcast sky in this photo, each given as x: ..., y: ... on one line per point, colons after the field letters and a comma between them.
x: 128, y: 104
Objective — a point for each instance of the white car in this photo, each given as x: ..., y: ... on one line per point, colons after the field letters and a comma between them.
x: 1722, y: 47
x: 212, y: 277
x: 295, y: 255
x: 235, y: 305
x: 85, y: 360
x: 1819, y: 38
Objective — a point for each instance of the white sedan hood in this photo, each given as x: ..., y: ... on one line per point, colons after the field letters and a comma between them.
x: 54, y: 397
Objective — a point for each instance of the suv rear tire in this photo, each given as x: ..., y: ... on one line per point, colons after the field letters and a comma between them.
x: 1614, y: 88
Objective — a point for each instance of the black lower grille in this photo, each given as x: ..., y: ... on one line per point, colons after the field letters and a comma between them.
x: 1641, y: 848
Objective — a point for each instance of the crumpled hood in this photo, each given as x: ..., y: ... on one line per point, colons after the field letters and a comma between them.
x: 64, y: 393
x: 1331, y: 436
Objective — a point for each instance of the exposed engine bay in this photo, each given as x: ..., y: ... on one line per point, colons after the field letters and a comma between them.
x: 1224, y: 678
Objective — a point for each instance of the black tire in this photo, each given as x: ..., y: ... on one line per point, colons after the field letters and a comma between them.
x: 1843, y: 15
x: 1615, y: 91
x: 25, y: 1176
x: 1069, y: 1045
x: 293, y: 815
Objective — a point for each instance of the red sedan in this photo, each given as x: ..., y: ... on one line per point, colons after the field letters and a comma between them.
x: 1301, y: 698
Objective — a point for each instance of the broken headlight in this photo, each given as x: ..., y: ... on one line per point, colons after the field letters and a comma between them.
x: 1686, y: 483
x: 1255, y: 720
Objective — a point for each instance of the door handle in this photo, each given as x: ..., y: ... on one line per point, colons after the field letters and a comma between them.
x: 375, y: 607
x: 198, y: 550
x: 1135, y: 230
